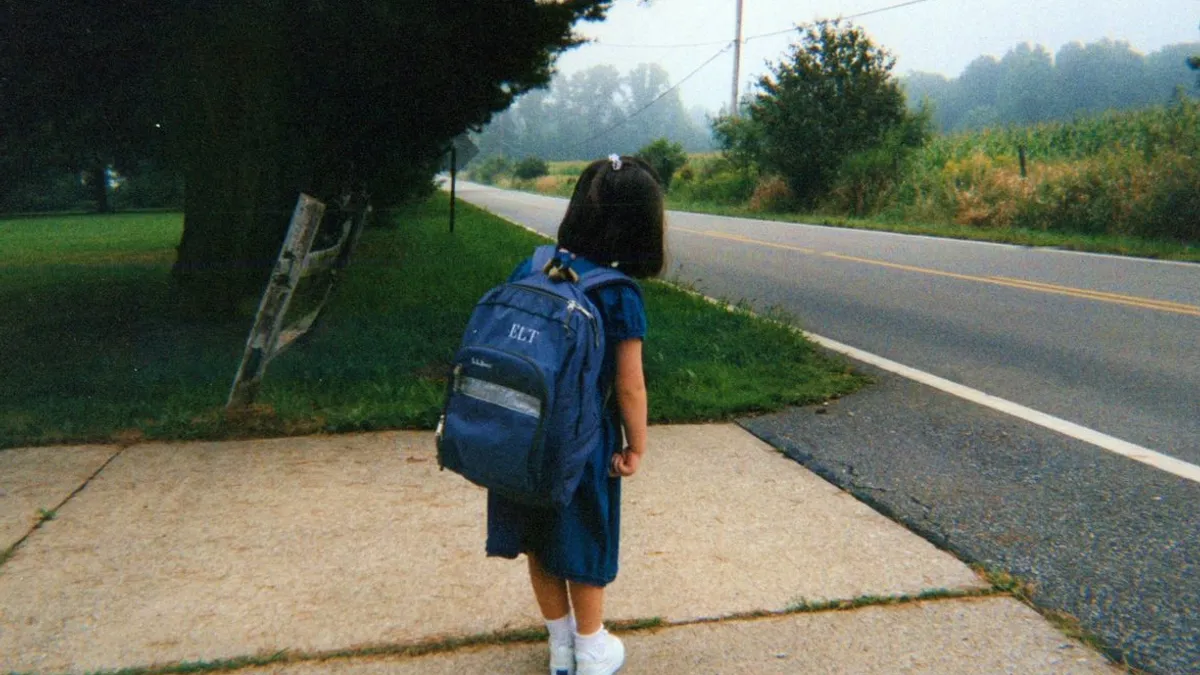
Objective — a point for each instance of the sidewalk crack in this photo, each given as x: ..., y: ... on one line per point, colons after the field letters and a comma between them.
x: 51, y: 514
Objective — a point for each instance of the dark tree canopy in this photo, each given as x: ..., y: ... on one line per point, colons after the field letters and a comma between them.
x: 254, y: 101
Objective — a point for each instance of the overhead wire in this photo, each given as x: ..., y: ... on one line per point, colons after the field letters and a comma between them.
x: 760, y: 35
x: 626, y: 120
x: 728, y: 44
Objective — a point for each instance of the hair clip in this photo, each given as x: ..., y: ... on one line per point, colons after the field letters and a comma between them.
x: 616, y: 161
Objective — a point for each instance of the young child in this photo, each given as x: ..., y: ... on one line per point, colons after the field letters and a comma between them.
x: 615, y: 218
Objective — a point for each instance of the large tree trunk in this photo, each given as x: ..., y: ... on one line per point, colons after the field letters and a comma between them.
x: 239, y: 191
x: 99, y: 187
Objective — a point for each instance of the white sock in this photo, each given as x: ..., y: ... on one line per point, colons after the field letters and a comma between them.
x: 593, y: 645
x: 562, y: 631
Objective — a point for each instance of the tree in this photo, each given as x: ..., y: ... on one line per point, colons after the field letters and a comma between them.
x: 1027, y: 91
x: 594, y: 113
x: 1100, y: 76
x: 73, y: 77
x: 665, y: 158
x: 530, y: 168
x: 258, y: 100
x: 833, y: 96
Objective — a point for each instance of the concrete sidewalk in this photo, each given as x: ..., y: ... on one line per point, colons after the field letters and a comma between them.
x: 352, y: 554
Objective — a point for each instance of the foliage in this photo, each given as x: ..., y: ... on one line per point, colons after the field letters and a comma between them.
x: 1130, y: 173
x: 771, y: 195
x: 740, y: 139
x: 715, y: 180
x: 1028, y: 85
x: 490, y: 169
x: 94, y: 351
x: 833, y: 95
x: 264, y: 99
x: 530, y: 168
x: 665, y: 157
x: 866, y: 179
x: 594, y: 113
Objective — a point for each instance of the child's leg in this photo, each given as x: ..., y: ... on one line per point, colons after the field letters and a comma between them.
x: 550, y: 591
x: 589, y: 607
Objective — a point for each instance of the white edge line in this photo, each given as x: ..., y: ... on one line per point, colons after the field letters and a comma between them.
x: 1126, y: 449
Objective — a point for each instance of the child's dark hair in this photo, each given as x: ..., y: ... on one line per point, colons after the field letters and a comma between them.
x: 616, y: 215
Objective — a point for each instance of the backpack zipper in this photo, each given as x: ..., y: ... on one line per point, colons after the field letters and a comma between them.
x: 573, y: 306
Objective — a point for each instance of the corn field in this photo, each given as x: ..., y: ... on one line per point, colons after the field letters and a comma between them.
x: 1123, y: 173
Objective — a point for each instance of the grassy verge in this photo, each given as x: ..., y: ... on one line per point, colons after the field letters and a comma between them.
x: 560, y: 186
x: 94, y: 353
x: 1116, y: 245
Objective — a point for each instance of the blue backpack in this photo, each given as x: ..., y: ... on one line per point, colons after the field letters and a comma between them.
x: 524, y: 408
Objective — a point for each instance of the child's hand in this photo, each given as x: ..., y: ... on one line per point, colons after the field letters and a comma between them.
x: 625, y: 463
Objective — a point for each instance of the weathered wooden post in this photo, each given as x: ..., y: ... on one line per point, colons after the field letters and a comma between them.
x: 1021, y: 157
x: 260, y: 346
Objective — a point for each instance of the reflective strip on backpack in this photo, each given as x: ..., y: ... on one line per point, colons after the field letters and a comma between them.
x: 496, y: 394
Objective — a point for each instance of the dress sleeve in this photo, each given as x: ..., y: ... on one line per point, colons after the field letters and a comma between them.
x: 624, y: 314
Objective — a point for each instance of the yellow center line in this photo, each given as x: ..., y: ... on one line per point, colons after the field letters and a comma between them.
x: 1164, y: 304
x: 1099, y: 296
x: 747, y: 240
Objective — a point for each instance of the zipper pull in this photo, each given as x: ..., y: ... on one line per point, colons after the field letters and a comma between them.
x: 573, y: 306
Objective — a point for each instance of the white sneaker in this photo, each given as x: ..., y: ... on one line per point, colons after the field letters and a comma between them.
x: 607, y: 662
x: 562, y: 660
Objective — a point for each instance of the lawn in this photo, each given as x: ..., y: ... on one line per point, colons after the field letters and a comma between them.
x: 94, y: 352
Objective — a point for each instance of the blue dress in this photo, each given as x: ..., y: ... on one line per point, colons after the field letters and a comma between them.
x: 580, y: 542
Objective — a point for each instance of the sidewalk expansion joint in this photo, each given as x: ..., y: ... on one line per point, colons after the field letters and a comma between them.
x: 50, y: 514
x: 534, y: 635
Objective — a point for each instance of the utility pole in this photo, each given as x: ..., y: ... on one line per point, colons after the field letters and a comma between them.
x: 737, y: 61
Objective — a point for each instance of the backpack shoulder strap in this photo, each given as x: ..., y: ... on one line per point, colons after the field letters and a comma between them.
x: 541, y: 256
x: 607, y: 276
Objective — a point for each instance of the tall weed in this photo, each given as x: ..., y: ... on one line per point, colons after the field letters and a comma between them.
x: 1133, y: 174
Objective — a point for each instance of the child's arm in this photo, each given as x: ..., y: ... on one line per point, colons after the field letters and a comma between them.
x: 631, y: 397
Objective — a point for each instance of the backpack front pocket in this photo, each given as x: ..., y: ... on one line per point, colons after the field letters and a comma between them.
x: 493, y: 425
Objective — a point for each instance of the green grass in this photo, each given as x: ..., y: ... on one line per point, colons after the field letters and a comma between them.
x: 1112, y: 244
x: 95, y: 354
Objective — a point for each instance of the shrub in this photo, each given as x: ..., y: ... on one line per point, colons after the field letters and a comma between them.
x: 665, y: 157
x: 772, y: 195
x: 491, y: 168
x: 727, y: 187
x: 530, y: 168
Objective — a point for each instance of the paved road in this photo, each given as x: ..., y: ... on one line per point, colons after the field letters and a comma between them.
x: 1109, y: 343
x: 1103, y: 342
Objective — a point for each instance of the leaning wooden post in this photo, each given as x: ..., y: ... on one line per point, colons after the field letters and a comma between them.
x: 260, y: 346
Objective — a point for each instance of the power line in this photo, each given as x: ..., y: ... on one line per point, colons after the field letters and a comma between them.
x: 885, y: 9
x: 760, y: 35
x: 722, y: 50
x: 672, y: 46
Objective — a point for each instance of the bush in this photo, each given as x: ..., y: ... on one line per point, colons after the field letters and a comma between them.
x: 665, y: 157
x: 149, y: 187
x: 714, y: 180
x: 772, y: 195
x: 530, y: 168
x: 491, y: 168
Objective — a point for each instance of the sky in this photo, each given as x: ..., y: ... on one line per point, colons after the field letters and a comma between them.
x: 939, y: 36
